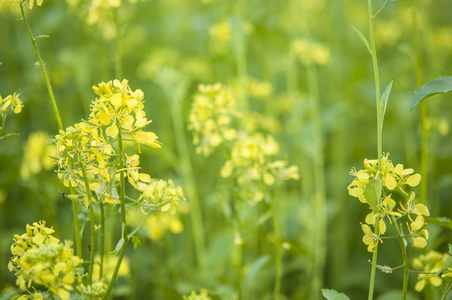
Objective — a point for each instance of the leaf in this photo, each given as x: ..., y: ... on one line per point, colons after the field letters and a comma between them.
x: 362, y: 37
x: 442, y: 221
x: 450, y: 249
x: 255, y: 266
x: 437, y: 86
x: 334, y: 295
x: 136, y: 242
x: 372, y: 193
x: 384, y: 102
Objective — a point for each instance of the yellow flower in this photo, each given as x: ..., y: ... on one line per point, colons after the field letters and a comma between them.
x: 370, y: 238
x: 429, y: 263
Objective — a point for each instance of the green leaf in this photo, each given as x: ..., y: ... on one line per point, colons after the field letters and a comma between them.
x: 334, y: 295
x: 362, y: 38
x: 437, y: 86
x: 372, y: 193
x: 254, y: 267
x: 442, y: 221
x: 450, y: 249
x: 136, y: 242
x: 384, y: 102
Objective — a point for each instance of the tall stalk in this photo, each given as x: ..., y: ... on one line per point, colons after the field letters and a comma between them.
x: 373, y: 52
x: 78, y: 240
x: 41, y: 64
x: 122, y: 198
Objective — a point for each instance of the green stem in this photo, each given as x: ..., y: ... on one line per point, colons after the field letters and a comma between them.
x: 41, y: 64
x: 102, y: 238
x: 318, y: 201
x: 404, y: 258
x: 78, y: 240
x: 3, y: 123
x: 424, y: 115
x: 189, y: 177
x: 92, y: 221
x: 379, y: 131
x: 122, y: 198
x: 278, y: 257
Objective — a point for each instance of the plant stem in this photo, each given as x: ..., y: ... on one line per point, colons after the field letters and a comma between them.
x: 102, y: 238
x: 188, y: 174
x: 122, y: 198
x: 424, y: 115
x: 278, y: 257
x: 404, y: 258
x: 78, y: 240
x: 41, y: 64
x: 379, y: 132
x: 92, y: 221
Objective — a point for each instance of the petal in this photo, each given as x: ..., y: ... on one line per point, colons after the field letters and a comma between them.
x: 390, y: 182
x: 435, y: 281
x: 422, y: 209
x: 112, y: 131
x: 420, y: 285
x: 419, y: 242
x: 413, y: 180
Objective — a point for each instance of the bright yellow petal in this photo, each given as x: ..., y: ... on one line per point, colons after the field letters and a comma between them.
x: 413, y: 180
x: 112, y: 131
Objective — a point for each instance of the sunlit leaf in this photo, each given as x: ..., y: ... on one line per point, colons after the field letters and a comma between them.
x: 372, y: 193
x: 334, y: 295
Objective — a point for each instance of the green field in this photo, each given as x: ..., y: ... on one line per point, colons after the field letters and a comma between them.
x: 208, y: 149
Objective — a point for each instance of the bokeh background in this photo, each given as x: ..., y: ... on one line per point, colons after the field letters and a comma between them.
x: 309, y: 80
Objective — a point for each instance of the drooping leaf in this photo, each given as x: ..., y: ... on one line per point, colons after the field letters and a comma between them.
x: 362, y: 38
x: 384, y: 102
x: 334, y: 295
x: 372, y: 193
x: 437, y: 86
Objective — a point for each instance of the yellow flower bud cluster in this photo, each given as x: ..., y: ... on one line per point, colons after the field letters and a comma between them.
x: 202, y: 295
x: 11, y: 101
x: 92, y: 292
x: 211, y: 117
x: 38, y: 153
x: 163, y: 195
x: 40, y: 259
x: 251, y: 163
x: 88, y: 144
x: 429, y: 263
x: 391, y: 179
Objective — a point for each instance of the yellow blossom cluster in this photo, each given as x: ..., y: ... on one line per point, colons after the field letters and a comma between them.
x: 38, y: 153
x: 94, y: 291
x: 251, y: 163
x: 429, y: 263
x: 11, y: 101
x: 391, y: 179
x: 311, y: 52
x: 202, y: 295
x: 211, y: 117
x: 159, y: 194
x: 86, y: 148
x: 39, y: 258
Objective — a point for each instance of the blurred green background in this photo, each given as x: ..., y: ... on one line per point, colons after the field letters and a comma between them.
x: 291, y: 52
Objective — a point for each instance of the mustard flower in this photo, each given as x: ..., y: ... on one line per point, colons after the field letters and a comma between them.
x: 429, y: 263
x: 40, y: 258
x: 211, y: 117
x: 38, y: 153
x: 11, y: 101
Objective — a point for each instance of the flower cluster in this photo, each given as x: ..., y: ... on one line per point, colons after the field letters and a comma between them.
x: 120, y: 107
x: 202, y: 295
x: 11, y: 101
x: 391, y: 179
x: 86, y: 148
x: 162, y: 195
x: 429, y: 263
x: 39, y: 258
x: 311, y: 52
x: 251, y: 163
x: 38, y: 154
x: 211, y: 117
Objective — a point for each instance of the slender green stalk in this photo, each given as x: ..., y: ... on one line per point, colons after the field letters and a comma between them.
x: 319, y: 199
x: 189, y: 177
x: 102, y: 238
x: 92, y: 221
x: 122, y: 198
x: 3, y: 123
x: 379, y: 130
x: 278, y: 253
x: 41, y: 64
x: 424, y: 115
x: 78, y: 240
x: 404, y: 258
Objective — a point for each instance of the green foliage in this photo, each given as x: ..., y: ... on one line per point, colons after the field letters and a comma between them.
x: 334, y: 295
x: 441, y: 85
